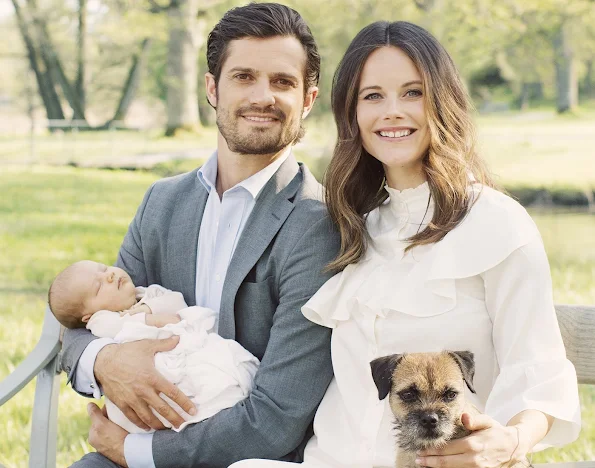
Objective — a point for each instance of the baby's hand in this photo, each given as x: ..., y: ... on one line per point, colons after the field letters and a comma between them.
x: 137, y: 309
x: 161, y: 320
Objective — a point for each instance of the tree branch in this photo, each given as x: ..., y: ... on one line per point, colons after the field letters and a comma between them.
x: 156, y: 8
x: 425, y: 5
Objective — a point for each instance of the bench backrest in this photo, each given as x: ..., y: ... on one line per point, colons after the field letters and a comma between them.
x: 577, y: 324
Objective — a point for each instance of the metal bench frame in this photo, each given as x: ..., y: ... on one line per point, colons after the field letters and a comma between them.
x: 577, y: 324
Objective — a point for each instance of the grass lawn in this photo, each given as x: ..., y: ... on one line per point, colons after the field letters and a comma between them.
x: 51, y: 217
x: 536, y: 148
x: 540, y: 148
x: 533, y: 149
x: 95, y: 148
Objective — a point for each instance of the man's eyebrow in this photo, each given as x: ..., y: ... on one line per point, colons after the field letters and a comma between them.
x: 243, y: 70
x: 287, y: 76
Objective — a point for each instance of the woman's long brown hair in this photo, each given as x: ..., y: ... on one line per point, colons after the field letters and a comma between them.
x: 355, y: 180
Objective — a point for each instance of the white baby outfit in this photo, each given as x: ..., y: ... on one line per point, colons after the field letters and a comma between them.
x: 485, y: 287
x: 215, y: 373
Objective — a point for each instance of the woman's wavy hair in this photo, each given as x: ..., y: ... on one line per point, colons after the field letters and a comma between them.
x: 355, y: 180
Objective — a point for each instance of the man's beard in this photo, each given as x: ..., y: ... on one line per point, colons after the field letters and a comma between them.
x: 258, y: 140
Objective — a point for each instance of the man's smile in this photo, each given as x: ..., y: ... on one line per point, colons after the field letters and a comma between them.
x: 260, y: 120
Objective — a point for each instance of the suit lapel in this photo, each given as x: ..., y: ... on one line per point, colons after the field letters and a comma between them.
x: 182, y: 240
x: 270, y: 212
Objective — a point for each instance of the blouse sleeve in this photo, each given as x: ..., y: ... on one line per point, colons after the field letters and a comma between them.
x: 534, y: 371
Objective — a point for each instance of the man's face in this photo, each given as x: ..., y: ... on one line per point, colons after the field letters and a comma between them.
x: 260, y: 97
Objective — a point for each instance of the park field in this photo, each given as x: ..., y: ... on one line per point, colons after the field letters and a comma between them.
x: 52, y: 216
x: 524, y: 149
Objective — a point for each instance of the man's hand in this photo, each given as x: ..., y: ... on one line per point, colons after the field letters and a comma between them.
x: 105, y: 436
x: 161, y: 320
x: 129, y: 379
x: 491, y: 445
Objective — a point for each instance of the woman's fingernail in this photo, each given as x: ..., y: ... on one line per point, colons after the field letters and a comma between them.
x: 193, y: 411
x: 418, y: 461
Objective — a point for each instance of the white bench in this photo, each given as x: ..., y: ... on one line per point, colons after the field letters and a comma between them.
x: 577, y: 324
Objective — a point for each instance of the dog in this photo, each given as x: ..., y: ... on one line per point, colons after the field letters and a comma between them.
x: 427, y: 399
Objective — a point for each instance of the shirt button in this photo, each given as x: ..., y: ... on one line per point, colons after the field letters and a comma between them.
x: 218, y: 278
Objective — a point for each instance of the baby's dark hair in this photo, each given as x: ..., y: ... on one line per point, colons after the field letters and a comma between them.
x: 66, y: 304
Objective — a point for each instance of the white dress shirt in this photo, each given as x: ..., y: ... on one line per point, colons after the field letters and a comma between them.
x: 220, y: 229
x: 485, y: 287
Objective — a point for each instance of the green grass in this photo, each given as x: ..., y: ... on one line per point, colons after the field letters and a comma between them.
x: 95, y: 148
x: 536, y: 148
x: 531, y: 149
x: 51, y: 217
x: 570, y: 243
x: 540, y: 148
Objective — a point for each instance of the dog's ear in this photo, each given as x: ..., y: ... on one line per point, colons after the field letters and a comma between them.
x: 466, y: 363
x: 382, y: 373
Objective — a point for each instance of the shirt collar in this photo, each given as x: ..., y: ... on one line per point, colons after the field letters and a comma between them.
x: 254, y: 184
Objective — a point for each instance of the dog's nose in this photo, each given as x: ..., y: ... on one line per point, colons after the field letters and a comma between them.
x: 429, y: 421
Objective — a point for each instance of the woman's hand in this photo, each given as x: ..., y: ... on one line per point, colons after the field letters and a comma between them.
x: 491, y: 445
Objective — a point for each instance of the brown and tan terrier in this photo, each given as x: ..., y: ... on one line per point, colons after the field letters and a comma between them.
x: 427, y: 399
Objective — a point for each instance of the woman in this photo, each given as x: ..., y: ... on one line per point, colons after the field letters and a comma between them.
x: 434, y: 258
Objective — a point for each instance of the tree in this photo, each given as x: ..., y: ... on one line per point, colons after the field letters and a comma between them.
x: 566, y: 78
x: 186, y: 34
x: 50, y: 72
x: 81, y: 54
x: 45, y: 81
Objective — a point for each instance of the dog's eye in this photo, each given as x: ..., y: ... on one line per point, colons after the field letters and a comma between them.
x: 407, y: 396
x: 451, y: 395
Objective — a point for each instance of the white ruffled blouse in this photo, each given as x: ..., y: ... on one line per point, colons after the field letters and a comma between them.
x: 485, y: 287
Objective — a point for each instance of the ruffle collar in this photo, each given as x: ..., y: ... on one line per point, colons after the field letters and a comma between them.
x: 408, y: 201
x: 495, y: 227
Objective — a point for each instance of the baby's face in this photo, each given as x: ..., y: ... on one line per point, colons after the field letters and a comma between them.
x: 104, y: 287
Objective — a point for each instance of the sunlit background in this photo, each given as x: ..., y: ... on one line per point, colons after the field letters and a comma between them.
x: 94, y: 106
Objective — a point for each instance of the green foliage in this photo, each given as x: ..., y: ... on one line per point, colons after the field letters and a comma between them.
x: 513, y: 36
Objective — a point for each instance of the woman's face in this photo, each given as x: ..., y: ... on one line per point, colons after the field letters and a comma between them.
x: 391, y: 116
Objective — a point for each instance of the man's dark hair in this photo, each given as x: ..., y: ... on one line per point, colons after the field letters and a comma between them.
x: 262, y: 20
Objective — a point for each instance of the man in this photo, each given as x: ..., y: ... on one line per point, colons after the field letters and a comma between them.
x: 246, y: 235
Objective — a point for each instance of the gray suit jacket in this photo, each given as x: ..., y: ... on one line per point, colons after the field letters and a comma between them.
x: 277, y: 266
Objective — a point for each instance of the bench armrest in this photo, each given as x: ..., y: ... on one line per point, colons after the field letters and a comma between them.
x: 46, y: 349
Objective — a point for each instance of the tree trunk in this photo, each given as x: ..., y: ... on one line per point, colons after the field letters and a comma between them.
x: 566, y: 78
x: 52, y: 62
x: 132, y: 82
x: 81, y: 55
x: 538, y: 93
x: 589, y: 81
x: 524, y: 97
x: 45, y: 83
x: 185, y: 39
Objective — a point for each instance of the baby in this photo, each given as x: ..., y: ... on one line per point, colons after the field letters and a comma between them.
x: 213, y: 372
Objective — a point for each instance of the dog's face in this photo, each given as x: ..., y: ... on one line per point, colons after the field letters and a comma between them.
x: 426, y: 394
